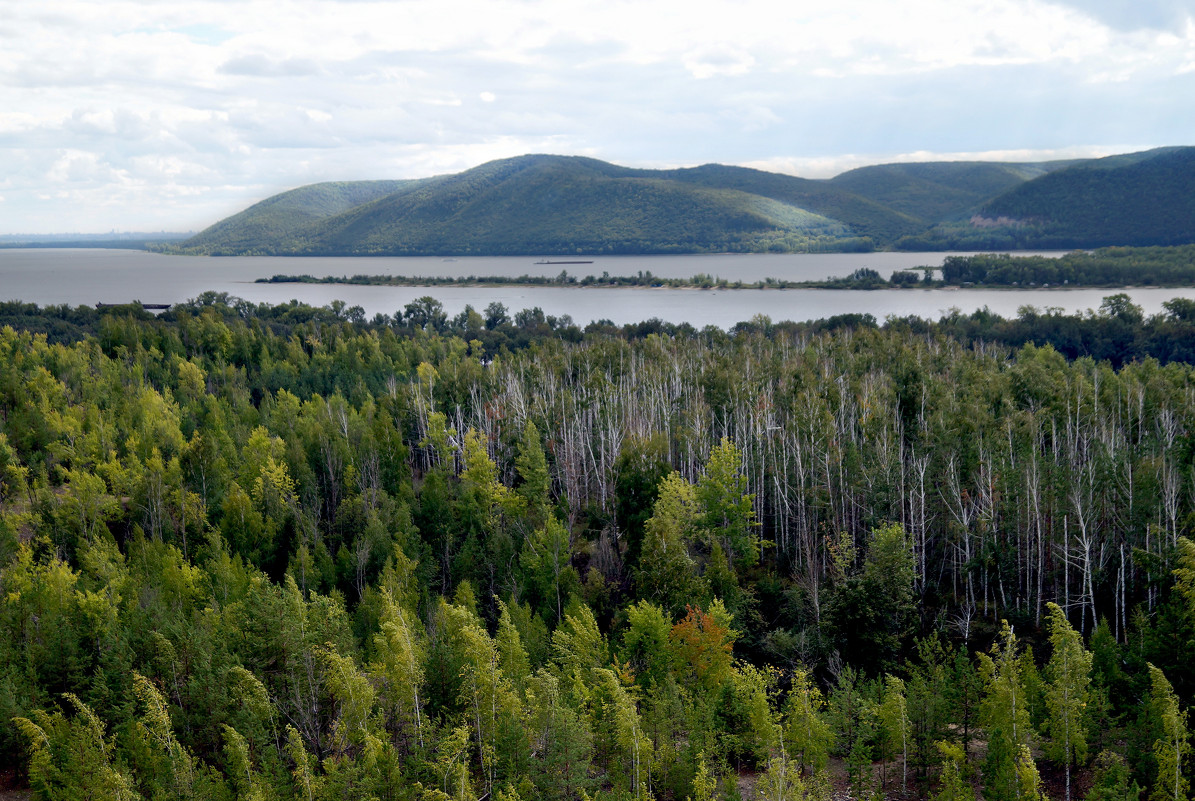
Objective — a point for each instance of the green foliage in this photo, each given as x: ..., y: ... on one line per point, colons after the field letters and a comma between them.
x: 74, y: 758
x: 807, y: 736
x: 546, y: 560
x: 645, y: 641
x: 1005, y: 715
x: 895, y: 725
x: 667, y: 572
x: 1112, y: 780
x: 871, y: 612
x: 953, y: 785
x: 230, y: 535
x: 1170, y: 749
x: 930, y: 692
x: 936, y: 191
x: 1067, y: 694
x: 727, y: 509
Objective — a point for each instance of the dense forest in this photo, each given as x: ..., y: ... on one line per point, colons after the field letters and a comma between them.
x: 290, y: 553
x: 1106, y: 267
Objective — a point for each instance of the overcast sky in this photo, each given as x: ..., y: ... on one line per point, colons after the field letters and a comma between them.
x: 170, y: 114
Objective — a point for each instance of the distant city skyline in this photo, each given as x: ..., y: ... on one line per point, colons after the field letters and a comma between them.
x: 131, y: 116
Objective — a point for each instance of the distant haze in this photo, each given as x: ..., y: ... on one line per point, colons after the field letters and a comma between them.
x: 135, y: 116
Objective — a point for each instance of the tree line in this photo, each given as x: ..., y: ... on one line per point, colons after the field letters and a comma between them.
x: 1111, y: 266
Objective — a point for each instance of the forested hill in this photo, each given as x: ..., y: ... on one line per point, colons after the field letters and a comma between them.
x: 936, y: 191
x: 554, y: 204
x: 283, y: 217
x: 550, y: 204
x: 568, y: 205
x: 1143, y: 198
x: 254, y: 552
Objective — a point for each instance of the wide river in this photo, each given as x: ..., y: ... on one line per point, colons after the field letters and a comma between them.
x: 88, y: 276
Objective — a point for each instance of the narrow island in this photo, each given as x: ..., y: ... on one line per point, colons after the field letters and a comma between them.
x: 1172, y: 266
x: 863, y: 278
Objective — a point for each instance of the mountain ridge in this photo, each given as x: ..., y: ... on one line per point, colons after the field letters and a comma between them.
x: 549, y: 204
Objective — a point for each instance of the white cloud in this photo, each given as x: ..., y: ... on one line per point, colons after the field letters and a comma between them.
x: 829, y: 166
x: 140, y: 113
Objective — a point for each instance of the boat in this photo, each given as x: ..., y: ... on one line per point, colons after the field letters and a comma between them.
x: 550, y: 261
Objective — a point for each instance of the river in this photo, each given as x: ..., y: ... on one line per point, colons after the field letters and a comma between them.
x: 88, y: 276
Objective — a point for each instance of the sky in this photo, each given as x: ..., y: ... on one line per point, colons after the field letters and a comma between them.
x: 167, y: 115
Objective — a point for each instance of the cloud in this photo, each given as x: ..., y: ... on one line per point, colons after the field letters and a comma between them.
x: 1135, y: 15
x: 125, y: 113
x: 830, y: 166
x: 718, y: 60
x: 260, y: 66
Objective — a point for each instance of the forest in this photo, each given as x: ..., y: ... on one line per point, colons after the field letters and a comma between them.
x: 1110, y: 267
x: 255, y: 552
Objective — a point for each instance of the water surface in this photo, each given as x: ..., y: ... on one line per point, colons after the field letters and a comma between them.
x: 86, y: 276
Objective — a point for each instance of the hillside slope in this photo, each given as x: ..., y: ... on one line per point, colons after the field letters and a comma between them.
x: 542, y: 204
x: 935, y: 191
x: 556, y: 204
x: 1138, y: 199
x: 275, y: 223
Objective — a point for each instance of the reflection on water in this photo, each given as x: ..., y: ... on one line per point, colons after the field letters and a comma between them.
x: 85, y: 277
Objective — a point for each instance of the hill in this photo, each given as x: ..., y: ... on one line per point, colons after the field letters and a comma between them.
x: 560, y: 204
x: 1138, y: 199
x: 869, y: 218
x: 936, y: 191
x: 542, y: 204
x: 273, y: 225
x: 548, y: 204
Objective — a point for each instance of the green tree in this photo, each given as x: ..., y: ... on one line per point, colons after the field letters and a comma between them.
x: 1067, y: 693
x: 952, y: 785
x: 1005, y: 717
x: 807, y: 736
x: 534, y: 481
x: 168, y: 763
x: 1112, y: 780
x: 1169, y: 749
x: 928, y: 703
x: 547, y: 561
x: 871, y: 611
x: 727, y: 509
x: 73, y: 758
x: 895, y: 725
x: 667, y: 573
x: 645, y: 643
x: 561, y: 739
x: 641, y: 466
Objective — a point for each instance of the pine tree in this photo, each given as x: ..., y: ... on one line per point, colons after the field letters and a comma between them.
x: 807, y: 736
x: 952, y: 785
x: 1171, y: 748
x: 1005, y: 717
x: 894, y: 723
x: 1069, y: 675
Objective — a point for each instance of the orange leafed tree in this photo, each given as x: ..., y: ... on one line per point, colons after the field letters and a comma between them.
x: 703, y: 641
